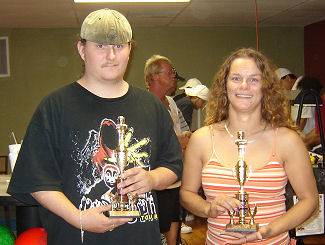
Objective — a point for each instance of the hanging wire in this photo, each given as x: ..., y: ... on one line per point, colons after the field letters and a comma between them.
x: 256, y: 27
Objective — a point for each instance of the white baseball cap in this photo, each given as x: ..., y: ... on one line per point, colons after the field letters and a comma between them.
x: 282, y: 72
x: 191, y: 83
x: 200, y: 91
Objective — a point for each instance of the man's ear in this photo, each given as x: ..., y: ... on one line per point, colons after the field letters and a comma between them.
x: 130, y: 47
x: 81, y: 49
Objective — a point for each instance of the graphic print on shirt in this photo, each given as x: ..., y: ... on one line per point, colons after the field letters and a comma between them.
x: 98, y: 169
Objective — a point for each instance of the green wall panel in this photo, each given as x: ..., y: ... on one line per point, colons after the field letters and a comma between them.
x: 42, y: 60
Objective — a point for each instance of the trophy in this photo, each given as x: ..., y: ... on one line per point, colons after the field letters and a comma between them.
x: 123, y: 206
x: 245, y: 214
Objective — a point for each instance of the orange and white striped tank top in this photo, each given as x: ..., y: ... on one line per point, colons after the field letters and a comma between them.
x: 266, y: 189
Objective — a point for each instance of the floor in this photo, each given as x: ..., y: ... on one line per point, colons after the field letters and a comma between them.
x: 197, y: 237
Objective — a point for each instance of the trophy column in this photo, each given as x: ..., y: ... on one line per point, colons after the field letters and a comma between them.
x: 122, y: 205
x: 245, y: 212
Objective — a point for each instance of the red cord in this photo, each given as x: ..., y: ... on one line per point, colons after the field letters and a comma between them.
x: 256, y: 27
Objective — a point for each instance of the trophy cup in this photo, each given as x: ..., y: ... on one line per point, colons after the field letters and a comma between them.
x: 123, y: 206
x: 243, y: 225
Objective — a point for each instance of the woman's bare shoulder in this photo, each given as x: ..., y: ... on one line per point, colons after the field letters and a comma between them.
x: 287, y: 135
x: 289, y: 140
x: 206, y: 131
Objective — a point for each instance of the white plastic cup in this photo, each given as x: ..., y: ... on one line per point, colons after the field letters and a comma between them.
x: 13, y: 154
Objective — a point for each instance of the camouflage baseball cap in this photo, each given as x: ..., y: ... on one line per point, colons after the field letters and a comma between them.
x: 106, y: 26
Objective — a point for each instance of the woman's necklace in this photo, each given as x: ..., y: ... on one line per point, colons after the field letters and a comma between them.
x: 248, y: 141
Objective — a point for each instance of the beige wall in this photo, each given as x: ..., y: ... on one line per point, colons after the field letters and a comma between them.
x: 42, y: 60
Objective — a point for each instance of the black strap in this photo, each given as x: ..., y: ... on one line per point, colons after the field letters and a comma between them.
x: 316, y: 100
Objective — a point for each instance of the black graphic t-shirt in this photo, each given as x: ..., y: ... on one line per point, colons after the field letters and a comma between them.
x: 69, y: 145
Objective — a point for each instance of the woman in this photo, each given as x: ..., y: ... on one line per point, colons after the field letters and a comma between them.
x: 247, y: 96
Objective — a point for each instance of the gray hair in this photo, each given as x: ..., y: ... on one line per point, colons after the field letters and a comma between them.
x: 153, y: 66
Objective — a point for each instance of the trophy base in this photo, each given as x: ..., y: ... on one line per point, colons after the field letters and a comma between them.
x: 242, y: 228
x: 124, y: 214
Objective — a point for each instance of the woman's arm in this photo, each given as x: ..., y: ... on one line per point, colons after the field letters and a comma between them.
x: 299, y: 171
x: 191, y: 180
x: 197, y: 154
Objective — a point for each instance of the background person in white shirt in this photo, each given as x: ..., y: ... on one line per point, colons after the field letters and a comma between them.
x: 290, y: 81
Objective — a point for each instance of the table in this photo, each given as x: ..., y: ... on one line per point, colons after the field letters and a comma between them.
x: 26, y: 215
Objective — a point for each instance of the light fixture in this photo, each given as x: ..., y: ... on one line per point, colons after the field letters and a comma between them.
x: 131, y: 1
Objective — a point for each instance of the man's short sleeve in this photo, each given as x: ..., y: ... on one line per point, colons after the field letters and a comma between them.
x: 36, y: 168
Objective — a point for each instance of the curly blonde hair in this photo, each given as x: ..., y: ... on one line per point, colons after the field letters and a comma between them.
x: 275, y: 107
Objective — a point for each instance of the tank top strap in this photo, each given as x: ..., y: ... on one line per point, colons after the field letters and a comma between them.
x: 274, y: 145
x: 213, y: 153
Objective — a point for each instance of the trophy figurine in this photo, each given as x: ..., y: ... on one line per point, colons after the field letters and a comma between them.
x: 122, y: 205
x: 245, y: 214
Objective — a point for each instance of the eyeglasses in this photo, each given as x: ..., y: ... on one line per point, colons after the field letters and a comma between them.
x: 252, y: 80
x: 171, y: 72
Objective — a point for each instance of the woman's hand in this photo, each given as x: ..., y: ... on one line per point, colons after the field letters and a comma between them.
x: 221, y: 204
x: 263, y: 232
x: 244, y: 238
x: 94, y: 220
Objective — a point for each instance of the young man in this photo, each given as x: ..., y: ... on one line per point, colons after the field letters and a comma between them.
x: 67, y: 162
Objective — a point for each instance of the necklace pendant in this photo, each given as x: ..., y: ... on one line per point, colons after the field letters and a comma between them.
x: 232, y: 136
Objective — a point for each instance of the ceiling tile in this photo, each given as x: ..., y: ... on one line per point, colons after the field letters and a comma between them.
x: 65, y: 13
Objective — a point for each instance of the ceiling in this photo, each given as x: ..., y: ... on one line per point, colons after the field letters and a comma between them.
x: 66, y: 13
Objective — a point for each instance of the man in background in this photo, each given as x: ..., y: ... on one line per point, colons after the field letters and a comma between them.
x: 195, y: 99
x: 160, y: 79
x: 290, y: 81
x: 189, y: 84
